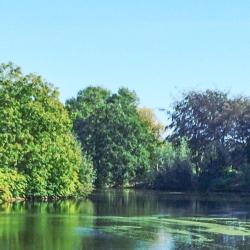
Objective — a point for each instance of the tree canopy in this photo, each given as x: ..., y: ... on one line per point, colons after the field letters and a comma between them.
x: 112, y: 132
x: 217, y: 128
x: 35, y: 135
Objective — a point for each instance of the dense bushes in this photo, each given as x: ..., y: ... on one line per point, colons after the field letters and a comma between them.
x: 12, y: 185
x: 174, y: 170
x: 36, y: 138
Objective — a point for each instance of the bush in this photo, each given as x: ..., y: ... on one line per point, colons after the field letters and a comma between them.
x: 12, y: 185
x: 177, y: 177
x: 174, y: 170
x: 243, y: 178
x: 87, y: 176
x: 214, y: 171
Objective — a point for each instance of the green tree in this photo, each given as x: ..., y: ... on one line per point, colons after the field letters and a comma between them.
x: 112, y: 132
x: 35, y: 135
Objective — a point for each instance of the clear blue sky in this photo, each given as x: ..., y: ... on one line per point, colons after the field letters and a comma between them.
x: 157, y: 48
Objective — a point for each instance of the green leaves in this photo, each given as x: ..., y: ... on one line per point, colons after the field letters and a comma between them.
x: 174, y: 170
x: 113, y: 133
x: 35, y: 135
x: 12, y: 185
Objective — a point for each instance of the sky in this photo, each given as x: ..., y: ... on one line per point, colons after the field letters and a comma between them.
x: 158, y: 48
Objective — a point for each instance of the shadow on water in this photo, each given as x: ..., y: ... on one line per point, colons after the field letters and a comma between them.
x: 127, y: 219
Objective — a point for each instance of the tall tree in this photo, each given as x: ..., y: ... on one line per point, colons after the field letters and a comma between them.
x: 119, y: 141
x: 216, y: 127
x: 35, y: 136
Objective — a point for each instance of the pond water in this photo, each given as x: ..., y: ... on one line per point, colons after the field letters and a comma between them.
x: 128, y: 220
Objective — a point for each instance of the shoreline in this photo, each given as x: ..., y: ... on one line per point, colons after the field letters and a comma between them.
x: 197, y: 195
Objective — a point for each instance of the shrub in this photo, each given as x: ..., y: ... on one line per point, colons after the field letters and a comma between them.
x: 174, y: 170
x: 12, y: 185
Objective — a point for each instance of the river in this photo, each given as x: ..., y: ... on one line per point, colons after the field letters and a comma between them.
x: 117, y: 219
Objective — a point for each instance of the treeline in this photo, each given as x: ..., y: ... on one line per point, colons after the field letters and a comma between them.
x: 103, y: 139
x: 207, y: 147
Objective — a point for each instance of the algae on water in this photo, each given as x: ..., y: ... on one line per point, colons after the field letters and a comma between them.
x: 198, y: 229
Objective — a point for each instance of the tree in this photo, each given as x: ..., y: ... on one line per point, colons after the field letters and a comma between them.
x: 148, y: 116
x: 35, y: 135
x: 217, y: 129
x: 120, y: 143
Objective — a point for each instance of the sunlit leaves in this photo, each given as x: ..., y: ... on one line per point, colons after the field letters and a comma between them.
x: 35, y: 135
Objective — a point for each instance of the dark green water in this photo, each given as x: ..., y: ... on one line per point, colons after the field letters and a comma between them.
x: 128, y: 220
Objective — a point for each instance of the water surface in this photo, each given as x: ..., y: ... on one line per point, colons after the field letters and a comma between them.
x: 128, y: 220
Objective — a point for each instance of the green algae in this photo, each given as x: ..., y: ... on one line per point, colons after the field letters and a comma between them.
x: 197, y: 229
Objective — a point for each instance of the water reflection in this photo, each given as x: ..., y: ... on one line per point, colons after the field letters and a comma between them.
x: 128, y: 220
x: 43, y: 225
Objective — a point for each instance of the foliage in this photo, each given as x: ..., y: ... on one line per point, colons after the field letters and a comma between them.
x: 87, y: 176
x: 112, y: 132
x: 147, y: 115
x: 214, y: 167
x: 217, y: 129
x: 174, y: 169
x: 12, y: 185
x: 119, y: 143
x: 35, y: 135
x: 201, y: 117
x: 87, y: 101
x: 242, y: 179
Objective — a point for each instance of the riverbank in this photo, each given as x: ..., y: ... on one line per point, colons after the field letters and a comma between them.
x: 176, y: 195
